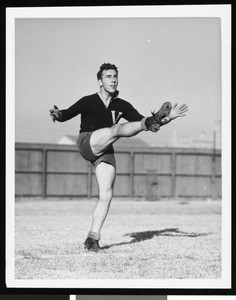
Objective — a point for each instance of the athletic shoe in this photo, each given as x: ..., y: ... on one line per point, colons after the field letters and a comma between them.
x: 156, y: 118
x: 93, y: 245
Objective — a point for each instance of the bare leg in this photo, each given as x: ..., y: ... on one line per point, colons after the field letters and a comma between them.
x: 101, y: 139
x: 105, y: 175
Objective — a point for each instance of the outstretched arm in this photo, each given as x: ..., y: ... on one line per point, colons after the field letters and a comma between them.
x: 69, y: 113
x: 176, y: 111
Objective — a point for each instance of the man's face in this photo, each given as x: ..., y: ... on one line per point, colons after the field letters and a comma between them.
x: 109, y: 81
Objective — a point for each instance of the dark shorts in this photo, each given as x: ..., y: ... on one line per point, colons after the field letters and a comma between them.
x: 83, y: 144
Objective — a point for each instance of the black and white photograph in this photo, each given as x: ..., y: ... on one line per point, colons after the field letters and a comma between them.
x: 118, y: 147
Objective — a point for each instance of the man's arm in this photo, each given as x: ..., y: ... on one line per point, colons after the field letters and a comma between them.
x: 67, y: 114
x: 131, y: 114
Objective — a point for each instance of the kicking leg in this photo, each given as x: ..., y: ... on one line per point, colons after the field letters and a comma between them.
x: 101, y: 139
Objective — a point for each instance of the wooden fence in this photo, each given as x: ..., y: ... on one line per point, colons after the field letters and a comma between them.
x: 59, y: 171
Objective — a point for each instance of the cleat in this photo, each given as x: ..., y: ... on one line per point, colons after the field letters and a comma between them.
x: 156, y: 118
x: 93, y: 245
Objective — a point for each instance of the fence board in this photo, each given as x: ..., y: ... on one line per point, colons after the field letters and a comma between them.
x: 29, y: 160
x: 28, y: 184
x: 218, y: 187
x: 66, y: 184
x: 162, y: 186
x: 122, y: 162
x: 122, y: 185
x: 160, y: 162
x: 193, y: 186
x: 65, y: 162
x: 218, y: 165
x: 193, y: 164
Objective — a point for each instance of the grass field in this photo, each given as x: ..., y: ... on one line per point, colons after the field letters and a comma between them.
x: 143, y: 240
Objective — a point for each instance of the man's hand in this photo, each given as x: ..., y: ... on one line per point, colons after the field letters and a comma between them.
x: 176, y: 111
x: 54, y: 113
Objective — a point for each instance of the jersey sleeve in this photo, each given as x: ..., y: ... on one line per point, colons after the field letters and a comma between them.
x: 77, y: 108
x: 131, y: 114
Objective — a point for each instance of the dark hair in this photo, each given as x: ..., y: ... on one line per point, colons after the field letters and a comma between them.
x: 106, y: 66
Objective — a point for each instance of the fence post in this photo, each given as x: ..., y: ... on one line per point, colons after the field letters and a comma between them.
x: 151, y: 185
x: 131, y: 174
x: 173, y: 174
x: 44, y: 174
x: 213, y: 177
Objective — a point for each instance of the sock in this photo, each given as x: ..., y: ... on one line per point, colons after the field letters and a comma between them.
x: 143, y: 125
x: 94, y: 235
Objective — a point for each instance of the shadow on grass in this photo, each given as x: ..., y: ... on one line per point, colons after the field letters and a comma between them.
x: 147, y: 235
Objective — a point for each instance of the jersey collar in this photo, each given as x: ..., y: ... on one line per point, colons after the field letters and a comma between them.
x: 115, y: 95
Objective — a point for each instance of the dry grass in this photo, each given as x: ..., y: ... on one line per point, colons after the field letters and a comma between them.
x: 143, y: 240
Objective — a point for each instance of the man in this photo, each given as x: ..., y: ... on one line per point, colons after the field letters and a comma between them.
x: 100, y: 114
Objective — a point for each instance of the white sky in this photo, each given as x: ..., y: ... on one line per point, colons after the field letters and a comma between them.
x: 159, y: 59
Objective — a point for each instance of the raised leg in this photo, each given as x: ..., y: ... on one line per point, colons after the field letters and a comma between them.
x: 101, y: 139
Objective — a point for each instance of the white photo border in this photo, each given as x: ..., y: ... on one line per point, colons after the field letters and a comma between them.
x: 221, y: 11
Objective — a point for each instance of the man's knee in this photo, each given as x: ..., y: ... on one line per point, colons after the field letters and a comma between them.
x: 101, y: 139
x: 115, y: 130
x: 106, y: 196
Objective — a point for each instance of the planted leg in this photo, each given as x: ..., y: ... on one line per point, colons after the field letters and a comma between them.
x: 105, y: 175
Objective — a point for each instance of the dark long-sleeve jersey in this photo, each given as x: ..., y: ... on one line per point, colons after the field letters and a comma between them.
x: 95, y: 115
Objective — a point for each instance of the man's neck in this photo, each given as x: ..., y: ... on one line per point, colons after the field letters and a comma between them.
x: 106, y: 97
